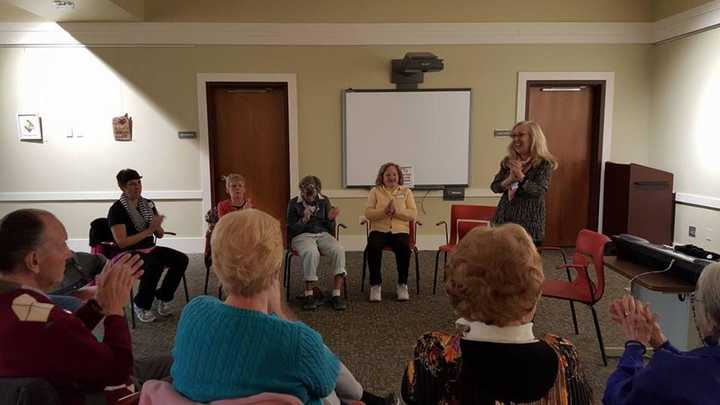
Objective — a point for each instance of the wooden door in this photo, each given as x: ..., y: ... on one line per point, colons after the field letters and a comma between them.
x: 569, y: 114
x: 248, y: 134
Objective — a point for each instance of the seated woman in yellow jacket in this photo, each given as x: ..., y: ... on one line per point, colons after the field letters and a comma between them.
x: 390, y: 209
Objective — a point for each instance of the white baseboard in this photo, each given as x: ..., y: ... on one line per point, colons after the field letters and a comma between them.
x: 186, y: 245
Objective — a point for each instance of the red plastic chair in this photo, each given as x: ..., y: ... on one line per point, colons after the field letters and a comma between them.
x: 412, y: 245
x: 290, y: 253
x: 589, y: 252
x: 462, y: 219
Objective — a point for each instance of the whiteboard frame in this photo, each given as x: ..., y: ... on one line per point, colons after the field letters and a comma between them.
x: 417, y: 187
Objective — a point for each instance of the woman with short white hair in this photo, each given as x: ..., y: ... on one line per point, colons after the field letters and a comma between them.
x: 247, y: 344
x: 671, y: 376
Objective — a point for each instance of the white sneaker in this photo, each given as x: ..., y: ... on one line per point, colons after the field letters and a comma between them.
x: 402, y: 292
x: 375, y: 293
x: 163, y: 308
x: 143, y: 315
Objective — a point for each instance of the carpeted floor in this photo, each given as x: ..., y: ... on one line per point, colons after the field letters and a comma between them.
x: 375, y: 340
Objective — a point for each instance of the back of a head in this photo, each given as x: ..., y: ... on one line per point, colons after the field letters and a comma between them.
x: 247, y: 251
x: 495, y: 275
x: 21, y: 231
x: 708, y: 295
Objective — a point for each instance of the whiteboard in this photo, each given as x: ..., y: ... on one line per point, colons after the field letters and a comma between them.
x: 426, y: 129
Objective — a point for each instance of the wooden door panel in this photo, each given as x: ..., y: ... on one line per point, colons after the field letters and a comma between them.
x: 568, y: 121
x: 249, y: 135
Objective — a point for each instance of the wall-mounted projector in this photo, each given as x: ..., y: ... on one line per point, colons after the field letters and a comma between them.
x: 407, y: 72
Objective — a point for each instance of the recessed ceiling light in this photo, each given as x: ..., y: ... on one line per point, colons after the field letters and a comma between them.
x: 64, y: 4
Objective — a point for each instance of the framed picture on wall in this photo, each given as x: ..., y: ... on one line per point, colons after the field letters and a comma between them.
x: 29, y: 127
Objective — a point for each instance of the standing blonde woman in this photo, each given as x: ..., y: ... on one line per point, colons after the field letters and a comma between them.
x: 235, y: 188
x: 523, y: 180
x: 390, y: 209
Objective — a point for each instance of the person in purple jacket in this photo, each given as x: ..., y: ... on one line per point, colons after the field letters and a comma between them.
x: 671, y: 376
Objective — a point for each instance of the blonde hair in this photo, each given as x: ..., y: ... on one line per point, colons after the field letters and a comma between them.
x: 247, y: 251
x: 233, y: 178
x: 495, y: 275
x: 539, y: 151
x: 381, y: 173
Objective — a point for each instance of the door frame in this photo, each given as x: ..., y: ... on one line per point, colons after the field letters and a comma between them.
x: 202, y: 80
x: 607, y: 82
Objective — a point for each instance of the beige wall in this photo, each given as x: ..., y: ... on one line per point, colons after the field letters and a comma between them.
x: 398, y: 10
x: 666, y: 8
x: 73, y: 88
x: 685, y: 140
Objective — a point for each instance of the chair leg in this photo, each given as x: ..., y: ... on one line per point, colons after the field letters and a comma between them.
x: 572, y: 305
x: 417, y: 272
x: 572, y: 311
x: 444, y: 263
x: 599, y: 335
x: 362, y: 279
x: 207, y: 279
x: 437, y: 262
x: 187, y: 295
x: 288, y: 258
x: 345, y: 286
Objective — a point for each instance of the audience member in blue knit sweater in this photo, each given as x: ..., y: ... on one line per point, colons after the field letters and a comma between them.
x: 249, y: 344
x: 671, y: 376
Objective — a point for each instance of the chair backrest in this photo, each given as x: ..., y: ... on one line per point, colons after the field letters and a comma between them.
x: 589, y: 251
x: 459, y: 212
x: 466, y: 225
x: 101, y: 239
x: 155, y: 392
x: 27, y: 391
x: 212, y: 218
x: 100, y: 232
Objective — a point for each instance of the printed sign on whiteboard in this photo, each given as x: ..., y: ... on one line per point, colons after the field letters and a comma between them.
x: 408, y: 176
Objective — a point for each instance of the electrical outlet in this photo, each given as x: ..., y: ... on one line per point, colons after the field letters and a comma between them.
x: 691, y: 231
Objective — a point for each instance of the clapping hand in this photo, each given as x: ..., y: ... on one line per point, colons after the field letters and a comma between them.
x: 390, y: 208
x: 637, y: 321
x: 156, y: 223
x: 115, y: 282
x: 516, y: 172
x: 307, y: 214
x: 334, y: 212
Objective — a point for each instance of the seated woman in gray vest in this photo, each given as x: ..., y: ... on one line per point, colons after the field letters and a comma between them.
x: 311, y: 230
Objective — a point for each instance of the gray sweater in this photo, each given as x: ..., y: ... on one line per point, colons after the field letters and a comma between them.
x: 527, y: 207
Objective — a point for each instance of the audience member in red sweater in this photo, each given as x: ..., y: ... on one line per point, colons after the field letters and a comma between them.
x: 235, y: 187
x: 42, y: 340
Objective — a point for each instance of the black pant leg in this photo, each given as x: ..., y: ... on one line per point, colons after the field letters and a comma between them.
x: 176, y: 263
x: 151, y: 368
x: 152, y: 271
x: 375, y: 244
x: 400, y: 243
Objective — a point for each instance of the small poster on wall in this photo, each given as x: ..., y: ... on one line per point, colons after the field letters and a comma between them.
x: 408, y: 176
x: 122, y: 128
x: 29, y: 127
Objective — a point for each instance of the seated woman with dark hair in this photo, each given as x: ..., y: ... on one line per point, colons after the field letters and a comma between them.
x: 135, y: 223
x: 494, y: 282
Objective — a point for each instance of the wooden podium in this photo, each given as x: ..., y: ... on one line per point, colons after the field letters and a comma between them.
x: 638, y: 200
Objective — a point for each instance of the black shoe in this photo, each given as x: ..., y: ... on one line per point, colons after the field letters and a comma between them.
x: 311, y: 303
x: 338, y: 303
x: 372, y: 399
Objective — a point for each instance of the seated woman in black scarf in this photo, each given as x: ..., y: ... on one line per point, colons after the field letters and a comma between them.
x: 135, y: 223
x: 494, y: 282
